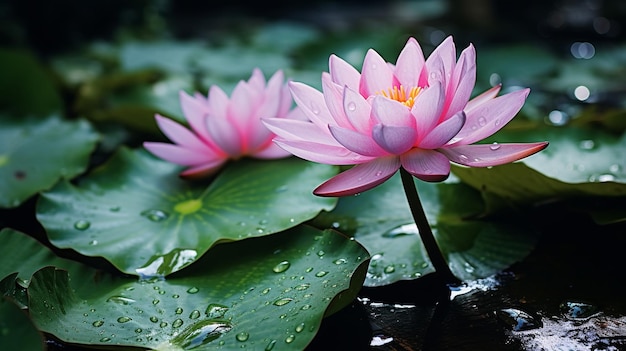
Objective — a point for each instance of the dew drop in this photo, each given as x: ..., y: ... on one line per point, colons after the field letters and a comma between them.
x: 163, y: 324
x: 314, y: 108
x: 283, y: 301
x: 302, y: 287
x: 175, y: 296
x: 243, y: 336
x: 340, y: 261
x: 177, y: 323
x: 124, y: 319
x: 200, y: 333
x: 281, y: 267
x: 482, y: 121
x: 216, y: 311
x: 463, y: 158
x: 155, y: 301
x: 309, y: 269
x: 265, y: 291
x: 98, y: 324
x: 138, y: 330
x: 321, y: 274
x: 587, y: 145
x: 402, y: 230
x: 495, y: 146
x: 155, y: 215
x: 195, y: 314
x: 390, y: 269
x: 178, y: 310
x: 305, y: 307
x: 270, y: 345
x: 351, y: 106
x: 193, y: 290
x: 300, y: 327
x: 93, y: 242
x: 154, y: 319
x: 321, y: 253
x: 290, y: 339
x: 82, y: 225
x: 105, y: 339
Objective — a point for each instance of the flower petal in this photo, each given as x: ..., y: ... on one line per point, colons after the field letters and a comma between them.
x: 357, y: 110
x: 271, y: 151
x: 179, y: 134
x: 391, y: 112
x: 376, y: 75
x: 359, y: 178
x: 482, y: 98
x: 427, y: 165
x: 195, y: 110
x: 356, y: 142
x: 443, y: 132
x: 225, y: 135
x: 293, y: 129
x: 441, y: 61
x: 395, y: 140
x: 203, y: 170
x: 485, y: 155
x: 410, y: 64
x: 321, y: 153
x: 427, y: 108
x: 180, y: 155
x: 333, y: 96
x: 312, y: 103
x: 486, y: 119
x: 343, y: 73
x: 462, y: 81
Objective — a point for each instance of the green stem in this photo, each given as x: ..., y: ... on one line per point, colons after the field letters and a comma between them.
x: 426, y: 234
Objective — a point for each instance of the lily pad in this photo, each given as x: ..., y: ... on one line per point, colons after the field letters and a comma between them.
x: 380, y: 219
x: 35, y: 153
x: 262, y: 293
x: 17, y: 332
x: 137, y: 213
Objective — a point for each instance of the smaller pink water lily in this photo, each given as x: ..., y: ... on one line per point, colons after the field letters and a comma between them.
x: 224, y: 128
x: 415, y: 114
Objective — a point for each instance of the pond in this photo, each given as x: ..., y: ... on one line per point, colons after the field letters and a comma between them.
x: 115, y: 238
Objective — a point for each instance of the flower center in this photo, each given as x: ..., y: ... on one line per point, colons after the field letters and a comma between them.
x: 400, y: 94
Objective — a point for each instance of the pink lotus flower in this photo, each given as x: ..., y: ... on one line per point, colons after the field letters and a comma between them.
x: 416, y: 114
x: 224, y: 128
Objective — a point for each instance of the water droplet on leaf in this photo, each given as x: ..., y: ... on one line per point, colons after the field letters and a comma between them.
x: 216, y: 311
x: 283, y: 301
x: 155, y: 215
x: 243, y: 336
x: 177, y: 323
x: 124, y: 319
x: 98, y: 324
x: 281, y: 267
x: 82, y: 225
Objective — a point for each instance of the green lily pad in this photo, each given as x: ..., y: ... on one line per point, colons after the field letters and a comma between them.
x: 577, y: 163
x: 137, y: 213
x: 262, y: 293
x: 381, y: 221
x: 35, y: 153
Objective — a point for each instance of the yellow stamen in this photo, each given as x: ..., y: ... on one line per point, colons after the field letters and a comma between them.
x: 400, y: 94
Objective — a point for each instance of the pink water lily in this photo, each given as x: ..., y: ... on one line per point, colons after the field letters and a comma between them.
x: 416, y: 114
x: 224, y: 128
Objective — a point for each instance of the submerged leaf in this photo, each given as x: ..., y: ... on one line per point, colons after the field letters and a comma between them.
x: 137, y: 213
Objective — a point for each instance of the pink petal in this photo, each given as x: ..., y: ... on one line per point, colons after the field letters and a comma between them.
x: 486, y: 119
x: 179, y: 155
x: 482, y: 98
x: 410, y: 64
x: 271, y: 151
x: 391, y: 112
x: 485, y: 155
x: 218, y: 102
x: 395, y: 140
x: 376, y: 75
x: 357, y: 110
x: 225, y: 135
x: 333, y: 96
x: 343, y: 73
x: 427, y: 108
x: 462, y: 82
x: 427, y: 165
x: 359, y: 178
x: 257, y: 80
x: 443, y: 132
x: 298, y: 130
x: 241, y: 107
x: 442, y: 60
x: 195, y: 111
x: 356, y: 142
x: 203, y: 170
x: 179, y: 134
x: 312, y: 103
x: 321, y: 153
